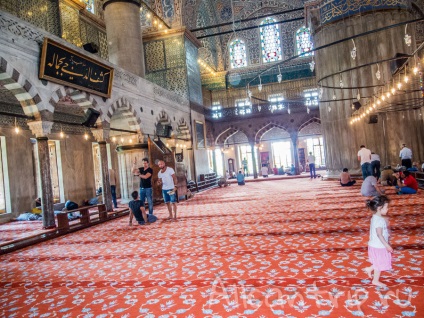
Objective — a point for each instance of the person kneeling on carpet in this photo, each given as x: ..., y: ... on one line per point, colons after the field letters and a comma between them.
x: 408, y: 185
x: 345, y: 179
x: 138, y: 210
x: 240, y: 178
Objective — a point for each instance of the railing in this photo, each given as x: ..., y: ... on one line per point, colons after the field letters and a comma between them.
x: 255, y: 110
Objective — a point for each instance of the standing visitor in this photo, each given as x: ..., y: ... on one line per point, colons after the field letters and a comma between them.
x: 311, y: 161
x: 406, y: 156
x: 112, y: 180
x: 364, y: 156
x: 168, y: 181
x: 379, y: 249
x: 146, y: 192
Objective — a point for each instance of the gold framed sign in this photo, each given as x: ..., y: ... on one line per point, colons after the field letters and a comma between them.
x: 62, y: 65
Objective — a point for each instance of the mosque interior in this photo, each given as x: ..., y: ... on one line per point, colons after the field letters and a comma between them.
x: 92, y: 85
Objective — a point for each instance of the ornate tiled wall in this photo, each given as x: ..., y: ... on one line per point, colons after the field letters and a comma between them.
x: 165, y: 61
x: 193, y: 73
x: 70, y: 24
x: 43, y: 14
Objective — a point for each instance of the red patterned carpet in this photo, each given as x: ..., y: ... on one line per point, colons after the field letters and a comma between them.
x: 281, y: 248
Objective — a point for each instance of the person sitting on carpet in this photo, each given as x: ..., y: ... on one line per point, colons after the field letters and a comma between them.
x: 379, y: 249
x: 240, y: 178
x: 137, y: 210
x: 345, y: 179
x: 387, y: 178
x: 370, y: 188
x: 409, y: 185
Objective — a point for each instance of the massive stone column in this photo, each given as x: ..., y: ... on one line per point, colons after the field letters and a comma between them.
x: 46, y: 183
x: 342, y: 77
x: 295, y: 138
x: 107, y: 194
x: 255, y: 170
x: 41, y: 129
x: 123, y: 28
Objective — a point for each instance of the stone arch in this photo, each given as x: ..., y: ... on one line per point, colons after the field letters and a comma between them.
x: 21, y: 88
x: 311, y: 123
x: 267, y: 127
x: 128, y: 112
x: 80, y: 98
x: 183, y: 129
x: 163, y: 119
x: 226, y: 133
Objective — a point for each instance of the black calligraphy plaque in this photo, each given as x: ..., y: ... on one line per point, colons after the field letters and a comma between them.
x: 62, y: 65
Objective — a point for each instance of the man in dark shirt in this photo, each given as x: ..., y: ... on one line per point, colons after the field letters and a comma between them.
x: 145, y: 173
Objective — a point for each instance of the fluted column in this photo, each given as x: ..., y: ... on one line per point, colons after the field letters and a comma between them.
x: 342, y: 139
x: 123, y: 29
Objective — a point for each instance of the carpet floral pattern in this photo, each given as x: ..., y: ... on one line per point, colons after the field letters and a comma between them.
x: 282, y: 248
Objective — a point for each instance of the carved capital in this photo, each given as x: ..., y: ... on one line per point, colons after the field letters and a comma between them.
x: 100, y: 134
x: 40, y: 128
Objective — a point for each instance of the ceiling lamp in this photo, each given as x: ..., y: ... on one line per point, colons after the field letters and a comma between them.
x: 279, y: 76
x: 312, y: 65
x: 260, y: 84
x: 378, y: 74
x: 407, y: 38
x: 353, y: 52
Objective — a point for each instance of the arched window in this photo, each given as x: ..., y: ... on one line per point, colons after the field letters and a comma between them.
x: 270, y: 41
x: 303, y: 41
x: 238, y: 56
x: 89, y: 5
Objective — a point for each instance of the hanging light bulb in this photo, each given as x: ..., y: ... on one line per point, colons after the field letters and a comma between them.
x: 399, y: 85
x: 406, y: 79
x: 341, y: 81
x: 307, y: 110
x: 415, y: 70
x: 321, y: 91
x: 358, y: 96
x: 383, y: 97
x: 113, y: 138
x: 86, y: 136
x: 260, y: 84
x: 16, y: 126
x: 393, y: 90
x: 288, y: 110
x: 334, y: 95
x: 61, y: 134
x: 259, y: 108
x: 122, y: 140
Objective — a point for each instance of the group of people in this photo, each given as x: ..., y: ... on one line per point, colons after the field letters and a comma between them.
x: 374, y: 179
x: 166, y: 179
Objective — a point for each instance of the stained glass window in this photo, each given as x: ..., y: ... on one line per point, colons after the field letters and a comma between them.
x: 216, y: 110
x: 270, y: 41
x: 303, y: 41
x: 276, y: 102
x: 311, y: 97
x: 243, y: 106
x: 89, y: 5
x: 238, y: 56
